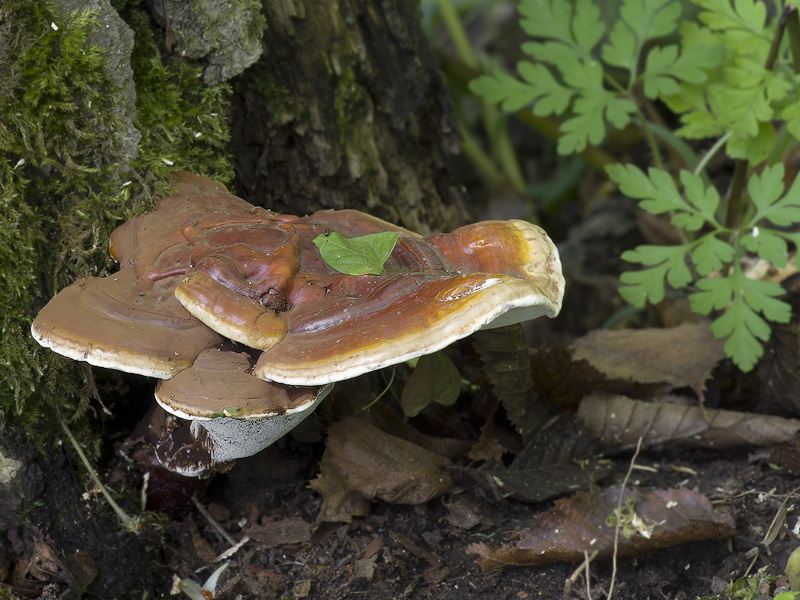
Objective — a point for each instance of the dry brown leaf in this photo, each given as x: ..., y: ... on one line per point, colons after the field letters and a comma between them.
x: 362, y: 459
x: 777, y: 369
x: 382, y: 417
x: 564, y: 380
x: 558, y: 460
x: 578, y: 524
x: 619, y: 422
x: 681, y: 356
x: 277, y: 533
x: 787, y: 455
x: 489, y: 446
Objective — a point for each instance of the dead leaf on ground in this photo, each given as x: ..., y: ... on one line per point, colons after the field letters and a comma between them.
x: 565, y: 380
x: 382, y: 417
x: 272, y: 534
x: 619, y: 422
x: 579, y: 524
x: 777, y: 369
x: 34, y: 567
x: 489, y: 446
x: 786, y: 455
x: 682, y: 356
x: 557, y: 460
x: 363, y: 459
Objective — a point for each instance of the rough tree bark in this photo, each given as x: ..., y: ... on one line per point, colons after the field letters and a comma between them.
x: 346, y: 108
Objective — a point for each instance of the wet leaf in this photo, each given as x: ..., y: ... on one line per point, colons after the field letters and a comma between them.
x: 362, y: 459
x: 579, y: 524
x: 619, y: 422
x: 681, y: 356
x: 556, y: 461
x: 363, y: 255
x: 434, y: 379
x: 277, y: 533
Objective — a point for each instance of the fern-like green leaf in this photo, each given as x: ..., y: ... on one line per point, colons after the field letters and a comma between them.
x: 711, y: 254
x: 768, y: 245
x: 667, y: 262
x: 715, y: 294
x: 765, y: 191
x: 743, y: 328
x: 576, y: 30
x: 502, y: 88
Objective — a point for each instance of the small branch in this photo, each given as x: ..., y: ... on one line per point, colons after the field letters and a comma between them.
x: 213, y: 522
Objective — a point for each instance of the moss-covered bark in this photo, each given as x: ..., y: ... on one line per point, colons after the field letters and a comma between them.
x: 73, y: 165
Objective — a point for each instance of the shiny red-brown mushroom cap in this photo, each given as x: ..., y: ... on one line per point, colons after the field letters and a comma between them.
x: 220, y: 384
x: 435, y: 291
x: 111, y: 322
x: 241, y: 414
x: 257, y: 278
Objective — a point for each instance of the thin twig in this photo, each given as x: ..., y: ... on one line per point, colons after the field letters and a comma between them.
x: 619, y: 520
x: 213, y: 522
x: 129, y: 523
x: 586, y: 560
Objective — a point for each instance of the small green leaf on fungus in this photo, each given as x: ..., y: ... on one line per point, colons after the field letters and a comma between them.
x: 435, y: 379
x: 364, y: 255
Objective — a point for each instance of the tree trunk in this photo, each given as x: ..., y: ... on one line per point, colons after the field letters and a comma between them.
x: 346, y: 109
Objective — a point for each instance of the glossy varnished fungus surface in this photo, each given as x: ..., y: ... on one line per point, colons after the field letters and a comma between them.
x: 220, y: 383
x: 116, y: 323
x: 256, y: 278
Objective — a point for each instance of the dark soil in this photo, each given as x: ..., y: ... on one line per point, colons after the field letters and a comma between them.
x: 395, y: 552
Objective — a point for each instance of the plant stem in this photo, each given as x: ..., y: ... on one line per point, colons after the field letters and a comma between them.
x: 129, y: 523
x: 458, y: 34
x: 459, y: 73
x: 650, y: 139
x: 478, y: 156
x: 735, y: 194
x: 711, y: 152
x: 494, y: 123
x: 734, y: 197
x: 793, y: 25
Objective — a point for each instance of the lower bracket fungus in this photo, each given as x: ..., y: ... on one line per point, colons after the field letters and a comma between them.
x: 235, y: 309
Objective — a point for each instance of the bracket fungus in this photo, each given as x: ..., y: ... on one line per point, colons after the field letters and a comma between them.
x: 234, y: 308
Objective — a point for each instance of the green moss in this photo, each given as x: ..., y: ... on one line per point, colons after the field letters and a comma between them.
x: 65, y: 179
x: 182, y: 122
x: 348, y: 102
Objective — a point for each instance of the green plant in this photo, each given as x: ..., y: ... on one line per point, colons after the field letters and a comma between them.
x: 205, y: 592
x: 728, y: 75
x: 716, y: 253
x: 568, y: 79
